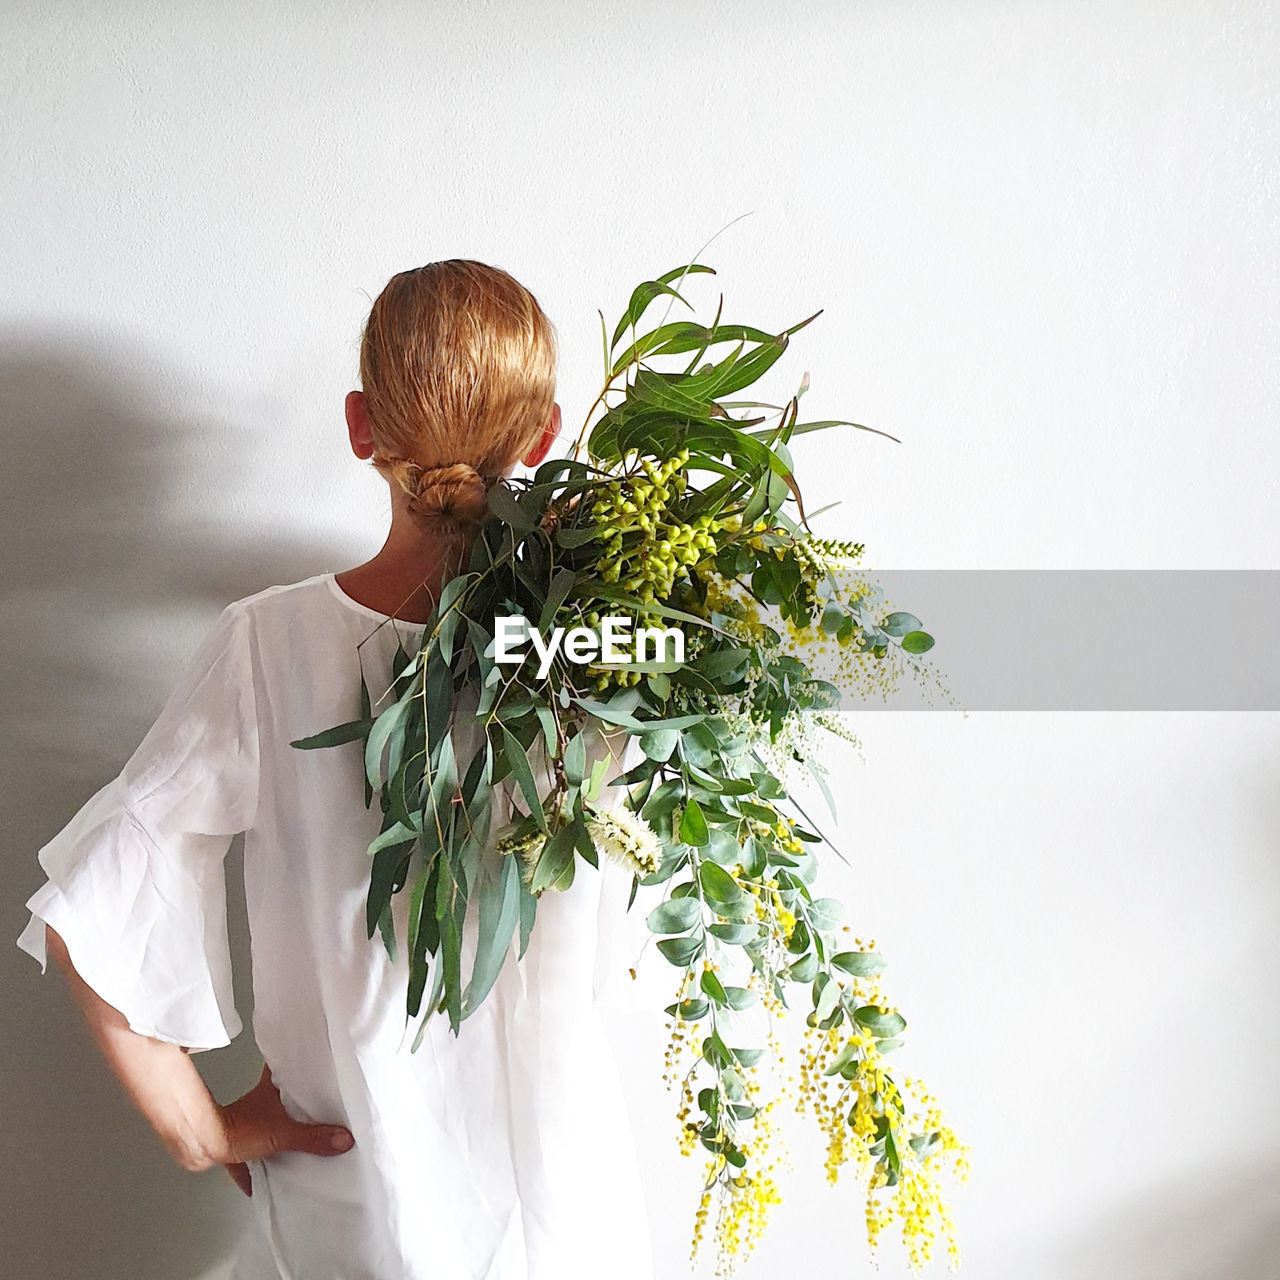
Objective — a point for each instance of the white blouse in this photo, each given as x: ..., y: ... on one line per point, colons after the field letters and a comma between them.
x: 503, y: 1153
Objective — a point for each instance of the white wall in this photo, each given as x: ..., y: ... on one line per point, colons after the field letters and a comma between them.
x: 1044, y: 238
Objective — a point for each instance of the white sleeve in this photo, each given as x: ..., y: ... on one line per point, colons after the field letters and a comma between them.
x: 624, y: 941
x: 135, y: 882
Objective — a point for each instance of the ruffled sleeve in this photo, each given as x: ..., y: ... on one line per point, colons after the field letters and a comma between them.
x: 135, y: 882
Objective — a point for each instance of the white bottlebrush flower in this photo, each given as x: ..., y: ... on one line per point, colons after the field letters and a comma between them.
x: 626, y: 838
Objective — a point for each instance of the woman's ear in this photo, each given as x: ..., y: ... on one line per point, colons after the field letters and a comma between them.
x: 358, y: 425
x: 550, y: 433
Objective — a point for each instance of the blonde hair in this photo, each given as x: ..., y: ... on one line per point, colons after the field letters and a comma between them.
x: 457, y: 365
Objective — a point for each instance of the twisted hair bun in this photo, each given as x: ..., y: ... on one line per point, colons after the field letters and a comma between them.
x: 453, y: 498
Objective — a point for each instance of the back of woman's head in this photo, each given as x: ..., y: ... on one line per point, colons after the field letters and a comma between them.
x: 457, y: 365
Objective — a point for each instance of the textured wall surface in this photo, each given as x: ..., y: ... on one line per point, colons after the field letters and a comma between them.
x: 1044, y: 238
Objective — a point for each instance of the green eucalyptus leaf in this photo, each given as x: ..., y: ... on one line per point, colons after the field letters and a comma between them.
x: 379, y: 735
x: 503, y: 504
x: 826, y: 913
x: 388, y: 865
x: 726, y: 665
x: 646, y: 292
x: 691, y: 1010
x: 925, y: 1144
x: 397, y: 834
x: 659, y: 744
x: 734, y: 933
x: 848, y: 1056
x: 340, y: 733
x: 716, y: 1052
x: 451, y: 946
x: 799, y: 941
x: 499, y: 914
x: 554, y: 861
x: 557, y: 593
x: 917, y: 642
x: 693, y: 826
x: 550, y: 731
x: 880, y: 1024
x: 681, y: 951
x: 609, y: 714
x: 861, y: 964
x: 722, y: 846
x: 518, y: 763
x: 598, y: 770
x: 660, y: 685
x: 575, y: 760
x: 827, y: 999
x: 898, y: 624
x: 724, y: 894
x: 677, y: 915
x: 528, y: 912
x: 713, y: 988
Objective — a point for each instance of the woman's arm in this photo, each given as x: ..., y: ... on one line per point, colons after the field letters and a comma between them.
x: 164, y: 1084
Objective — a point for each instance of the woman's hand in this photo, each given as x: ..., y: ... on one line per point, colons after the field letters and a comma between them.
x: 163, y: 1083
x: 257, y: 1125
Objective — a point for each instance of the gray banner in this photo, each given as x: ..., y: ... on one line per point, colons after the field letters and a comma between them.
x: 1078, y: 640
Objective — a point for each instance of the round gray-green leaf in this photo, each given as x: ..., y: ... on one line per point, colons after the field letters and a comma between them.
x: 898, y: 624
x: 881, y: 1025
x: 737, y: 934
x: 827, y: 1000
x: 674, y: 916
x: 680, y: 951
x: 721, y: 888
x: 826, y: 913
x: 659, y: 744
x: 861, y: 964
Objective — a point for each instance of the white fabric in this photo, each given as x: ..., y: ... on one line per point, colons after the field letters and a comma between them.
x: 501, y: 1154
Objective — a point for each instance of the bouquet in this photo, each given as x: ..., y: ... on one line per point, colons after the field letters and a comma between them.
x: 662, y: 585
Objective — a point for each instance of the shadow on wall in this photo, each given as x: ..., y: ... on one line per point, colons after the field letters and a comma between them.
x: 113, y: 569
x: 1222, y: 1227
x: 1224, y: 1224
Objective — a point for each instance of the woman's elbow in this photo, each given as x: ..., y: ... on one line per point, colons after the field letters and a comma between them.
x: 55, y: 947
x: 192, y: 1159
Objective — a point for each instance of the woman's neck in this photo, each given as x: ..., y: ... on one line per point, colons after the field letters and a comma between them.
x: 404, y: 579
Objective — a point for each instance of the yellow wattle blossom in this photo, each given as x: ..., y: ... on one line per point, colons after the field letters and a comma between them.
x: 854, y: 1108
x: 854, y: 1114
x: 748, y: 1198
x: 653, y: 552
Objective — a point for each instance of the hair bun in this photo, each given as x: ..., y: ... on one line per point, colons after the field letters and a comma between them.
x: 450, y: 498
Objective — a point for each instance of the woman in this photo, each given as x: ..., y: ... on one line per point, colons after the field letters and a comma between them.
x: 503, y: 1153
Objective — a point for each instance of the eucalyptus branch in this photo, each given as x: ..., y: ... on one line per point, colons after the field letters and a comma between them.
x: 635, y: 526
